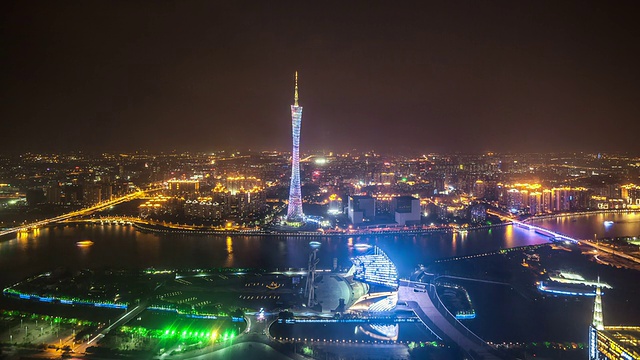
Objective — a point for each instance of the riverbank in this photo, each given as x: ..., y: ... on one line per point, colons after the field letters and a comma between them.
x: 358, y: 232
x: 314, y: 234
x: 580, y: 213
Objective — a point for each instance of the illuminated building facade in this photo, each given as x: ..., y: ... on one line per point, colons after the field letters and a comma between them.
x: 611, y: 342
x: 335, y: 204
x: 183, y: 186
x: 235, y: 184
x: 477, y: 213
x: 631, y: 193
x: 294, y: 210
x: 203, y: 208
x: 375, y: 268
x: 535, y: 203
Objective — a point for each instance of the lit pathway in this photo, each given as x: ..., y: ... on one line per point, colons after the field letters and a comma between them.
x: 426, y: 310
x: 122, y: 320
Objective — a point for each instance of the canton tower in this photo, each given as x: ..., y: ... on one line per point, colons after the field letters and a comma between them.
x: 294, y: 211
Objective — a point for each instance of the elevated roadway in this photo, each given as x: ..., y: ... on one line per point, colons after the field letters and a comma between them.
x: 122, y: 320
x: 418, y: 296
x: 81, y: 212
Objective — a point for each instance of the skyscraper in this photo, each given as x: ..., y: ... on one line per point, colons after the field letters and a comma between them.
x: 596, y: 325
x: 294, y: 211
x: 611, y: 342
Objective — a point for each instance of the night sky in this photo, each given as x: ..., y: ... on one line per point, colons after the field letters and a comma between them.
x: 446, y: 76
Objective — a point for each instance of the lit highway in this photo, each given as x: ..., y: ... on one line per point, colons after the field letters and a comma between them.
x: 81, y: 212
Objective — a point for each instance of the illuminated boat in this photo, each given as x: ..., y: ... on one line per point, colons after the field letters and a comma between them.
x: 608, y: 222
x: 362, y: 247
x: 315, y: 244
x: 84, y: 243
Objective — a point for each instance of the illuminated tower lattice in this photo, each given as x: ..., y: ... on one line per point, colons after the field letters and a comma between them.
x: 294, y: 211
x: 596, y: 325
x: 598, y: 321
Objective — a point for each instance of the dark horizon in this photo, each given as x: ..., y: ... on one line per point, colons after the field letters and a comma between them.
x: 467, y: 77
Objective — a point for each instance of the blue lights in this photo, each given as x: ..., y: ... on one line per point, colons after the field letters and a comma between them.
x: 545, y: 289
x: 47, y: 299
x: 542, y: 231
x: 593, y: 343
x: 111, y: 306
x: 375, y: 268
x: 362, y: 320
x: 466, y: 316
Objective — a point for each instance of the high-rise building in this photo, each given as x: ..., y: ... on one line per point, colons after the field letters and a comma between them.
x: 547, y: 200
x: 515, y: 199
x: 235, y: 184
x: 361, y: 208
x: 631, y: 194
x: 611, y: 342
x: 477, y: 213
x: 535, y: 203
x: 479, y: 189
x: 91, y: 194
x: 406, y: 210
x: 177, y: 187
x: 294, y: 210
x: 335, y: 205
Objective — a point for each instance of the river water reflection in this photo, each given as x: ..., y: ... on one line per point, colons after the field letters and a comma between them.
x: 119, y: 246
x: 586, y: 226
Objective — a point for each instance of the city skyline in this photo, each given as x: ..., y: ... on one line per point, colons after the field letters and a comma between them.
x: 434, y: 77
x: 546, y: 224
x: 468, y: 184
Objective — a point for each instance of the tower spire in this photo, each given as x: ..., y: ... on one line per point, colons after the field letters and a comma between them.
x: 598, y: 320
x: 294, y: 209
x: 295, y: 92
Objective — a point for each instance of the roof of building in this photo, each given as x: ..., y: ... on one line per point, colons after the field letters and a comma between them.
x: 626, y: 336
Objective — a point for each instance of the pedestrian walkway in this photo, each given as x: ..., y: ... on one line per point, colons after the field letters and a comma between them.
x: 418, y: 299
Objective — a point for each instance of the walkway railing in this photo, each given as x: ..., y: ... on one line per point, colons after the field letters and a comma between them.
x: 433, y: 294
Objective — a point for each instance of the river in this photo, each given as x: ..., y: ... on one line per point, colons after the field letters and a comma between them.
x: 119, y: 246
